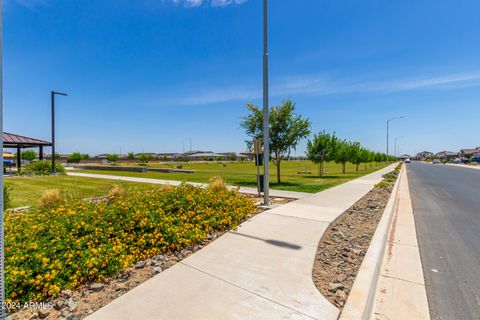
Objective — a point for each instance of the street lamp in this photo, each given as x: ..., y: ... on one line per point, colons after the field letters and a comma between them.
x: 388, y: 124
x: 396, y: 138
x: 53, y: 94
x: 266, y: 122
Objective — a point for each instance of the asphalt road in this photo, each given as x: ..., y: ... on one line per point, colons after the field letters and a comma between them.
x: 446, y: 203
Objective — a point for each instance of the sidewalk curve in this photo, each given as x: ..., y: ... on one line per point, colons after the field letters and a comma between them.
x: 247, y: 190
x: 262, y: 270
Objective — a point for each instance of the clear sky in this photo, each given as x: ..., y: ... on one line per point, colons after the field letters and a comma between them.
x: 146, y: 75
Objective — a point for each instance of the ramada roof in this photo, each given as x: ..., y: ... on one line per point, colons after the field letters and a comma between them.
x: 11, y: 140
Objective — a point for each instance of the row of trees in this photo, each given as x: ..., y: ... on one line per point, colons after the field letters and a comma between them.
x: 287, y: 129
x: 326, y: 147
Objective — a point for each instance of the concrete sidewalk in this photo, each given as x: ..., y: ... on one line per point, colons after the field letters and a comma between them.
x: 263, y: 270
x: 247, y: 190
x: 468, y: 166
x: 401, y: 290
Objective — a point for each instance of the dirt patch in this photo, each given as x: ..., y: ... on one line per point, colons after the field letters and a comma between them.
x: 78, y: 303
x: 344, y: 244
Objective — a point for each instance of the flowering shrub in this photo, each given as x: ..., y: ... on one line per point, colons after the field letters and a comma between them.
x: 50, y: 250
x: 42, y: 168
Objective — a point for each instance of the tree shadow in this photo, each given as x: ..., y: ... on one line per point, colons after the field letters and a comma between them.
x: 273, y: 242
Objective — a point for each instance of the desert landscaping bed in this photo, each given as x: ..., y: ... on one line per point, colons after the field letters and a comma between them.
x: 85, y: 299
x: 344, y: 244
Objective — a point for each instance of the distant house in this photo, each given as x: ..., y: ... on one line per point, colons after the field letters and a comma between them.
x: 233, y: 156
x: 469, y: 153
x: 207, y: 156
x: 446, y: 155
x: 424, y: 155
x: 248, y: 155
x: 405, y: 156
x: 170, y: 156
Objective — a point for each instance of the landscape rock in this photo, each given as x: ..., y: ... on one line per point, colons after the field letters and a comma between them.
x: 66, y: 293
x: 140, y: 265
x: 340, y: 297
x: 42, y: 313
x: 156, y: 270
x: 72, y: 305
x: 341, y: 277
x: 334, y: 287
x: 97, y: 287
x: 58, y: 304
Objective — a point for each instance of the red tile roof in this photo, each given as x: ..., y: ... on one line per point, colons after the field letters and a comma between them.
x: 14, y: 140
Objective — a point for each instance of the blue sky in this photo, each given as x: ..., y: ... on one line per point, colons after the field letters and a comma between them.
x: 146, y: 75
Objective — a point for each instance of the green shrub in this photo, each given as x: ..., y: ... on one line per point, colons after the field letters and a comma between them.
x: 42, y: 168
x: 83, y: 242
x: 28, y: 155
x: 7, y: 198
x: 144, y: 158
x: 112, y: 157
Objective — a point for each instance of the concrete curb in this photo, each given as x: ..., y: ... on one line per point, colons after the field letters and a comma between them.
x: 361, y: 299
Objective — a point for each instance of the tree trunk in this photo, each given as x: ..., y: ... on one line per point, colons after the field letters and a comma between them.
x: 365, y: 166
x: 278, y: 171
x: 320, y: 169
x: 343, y: 167
x: 356, y: 169
x: 323, y: 168
x: 278, y: 159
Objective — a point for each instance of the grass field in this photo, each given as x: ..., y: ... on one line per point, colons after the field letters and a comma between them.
x: 26, y: 191
x: 243, y: 174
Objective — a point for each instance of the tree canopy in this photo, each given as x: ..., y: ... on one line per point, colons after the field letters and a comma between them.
x: 286, y: 130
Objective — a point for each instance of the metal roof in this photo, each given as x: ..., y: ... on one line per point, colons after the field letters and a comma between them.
x: 11, y: 140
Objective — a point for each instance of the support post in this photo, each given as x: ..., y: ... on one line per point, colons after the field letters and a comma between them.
x: 266, y: 122
x: 53, y: 130
x: 19, y: 159
x: 40, y: 153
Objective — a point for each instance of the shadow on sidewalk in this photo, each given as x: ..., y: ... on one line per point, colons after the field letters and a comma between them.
x: 277, y: 243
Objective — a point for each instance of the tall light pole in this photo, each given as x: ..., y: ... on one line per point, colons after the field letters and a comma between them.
x: 2, y: 236
x: 388, y: 124
x: 52, y: 95
x: 396, y: 138
x: 266, y: 122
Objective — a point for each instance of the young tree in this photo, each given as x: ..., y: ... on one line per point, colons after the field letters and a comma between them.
x: 144, y: 158
x: 28, y: 155
x: 286, y: 129
x: 365, y: 156
x: 342, y: 154
x: 131, y: 156
x: 355, y: 154
x: 75, y: 157
x: 112, y: 157
x: 321, y: 149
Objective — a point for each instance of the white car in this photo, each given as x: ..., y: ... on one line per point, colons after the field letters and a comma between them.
x: 407, y: 160
x: 436, y: 161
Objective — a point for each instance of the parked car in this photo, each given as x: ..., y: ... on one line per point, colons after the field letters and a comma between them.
x: 407, y: 160
x: 436, y: 161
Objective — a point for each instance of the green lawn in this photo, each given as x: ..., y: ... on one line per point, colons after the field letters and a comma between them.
x: 243, y: 174
x: 26, y: 191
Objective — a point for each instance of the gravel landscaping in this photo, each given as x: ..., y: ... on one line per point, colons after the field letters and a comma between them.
x: 344, y: 244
